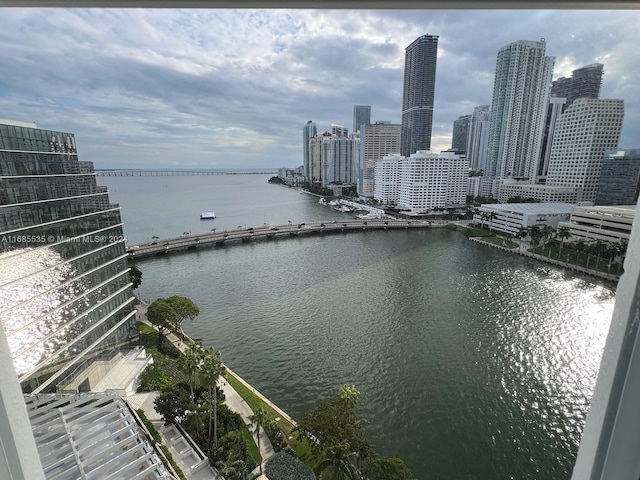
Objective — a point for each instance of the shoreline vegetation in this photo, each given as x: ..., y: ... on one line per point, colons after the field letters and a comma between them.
x: 194, y: 385
x: 563, y: 254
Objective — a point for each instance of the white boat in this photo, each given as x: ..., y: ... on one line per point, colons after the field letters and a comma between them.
x: 334, y: 203
x: 322, y: 201
x: 207, y: 216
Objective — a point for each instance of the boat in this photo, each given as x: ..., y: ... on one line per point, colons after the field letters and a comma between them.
x: 322, y: 201
x: 207, y: 216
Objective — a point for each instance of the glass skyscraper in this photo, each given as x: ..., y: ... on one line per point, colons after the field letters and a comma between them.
x: 65, y: 294
x: 361, y: 116
x: 418, y: 94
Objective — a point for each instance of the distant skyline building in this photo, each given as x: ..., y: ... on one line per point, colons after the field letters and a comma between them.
x: 387, y: 179
x: 309, y: 131
x: 460, y: 135
x: 64, y: 279
x: 418, y: 94
x: 587, y: 129
x: 518, y: 113
x: 585, y: 82
x: 339, y: 130
x: 361, y: 116
x: 554, y: 110
x: 376, y: 140
x: 339, y: 157
x: 478, y: 137
x: 619, y: 178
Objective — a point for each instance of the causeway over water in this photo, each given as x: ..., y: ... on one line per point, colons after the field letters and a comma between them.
x: 269, y: 232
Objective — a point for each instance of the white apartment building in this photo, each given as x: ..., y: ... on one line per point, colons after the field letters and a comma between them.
x: 426, y: 180
x: 387, y: 179
x: 585, y: 131
x: 376, y: 140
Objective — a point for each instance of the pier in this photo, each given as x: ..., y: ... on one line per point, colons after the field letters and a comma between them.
x: 170, y: 173
x: 192, y: 242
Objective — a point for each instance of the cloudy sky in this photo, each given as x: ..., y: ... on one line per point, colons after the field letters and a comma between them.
x: 233, y: 88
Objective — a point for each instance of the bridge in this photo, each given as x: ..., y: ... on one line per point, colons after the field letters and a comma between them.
x: 189, y: 242
x: 170, y: 173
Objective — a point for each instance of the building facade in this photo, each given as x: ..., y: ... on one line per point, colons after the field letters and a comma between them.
x: 376, y: 140
x: 339, y: 157
x: 509, y: 218
x: 65, y: 294
x: 478, y: 137
x: 425, y: 180
x: 606, y: 223
x: 361, y: 116
x: 309, y: 131
x: 587, y: 129
x: 387, y: 179
x: 585, y: 82
x: 460, y: 135
x: 518, y: 112
x: 619, y: 178
x: 418, y: 94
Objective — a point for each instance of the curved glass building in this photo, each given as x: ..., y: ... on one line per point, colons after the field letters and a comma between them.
x: 65, y: 294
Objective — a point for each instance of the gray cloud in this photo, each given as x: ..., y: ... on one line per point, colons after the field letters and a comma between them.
x: 224, y: 88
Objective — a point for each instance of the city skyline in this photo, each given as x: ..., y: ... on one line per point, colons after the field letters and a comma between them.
x: 222, y: 88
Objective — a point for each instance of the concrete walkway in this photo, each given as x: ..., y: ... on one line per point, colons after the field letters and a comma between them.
x: 232, y: 398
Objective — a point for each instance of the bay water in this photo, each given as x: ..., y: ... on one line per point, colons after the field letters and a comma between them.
x: 471, y: 363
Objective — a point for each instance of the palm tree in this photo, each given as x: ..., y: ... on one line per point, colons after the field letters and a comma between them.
x: 623, y: 243
x: 563, y: 233
x: 192, y: 360
x: 491, y: 216
x: 547, y: 233
x: 535, y: 233
x: 259, y: 419
x: 349, y: 396
x: 210, y: 372
x: 340, y: 460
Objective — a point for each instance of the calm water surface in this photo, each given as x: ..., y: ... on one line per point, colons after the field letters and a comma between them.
x: 471, y: 363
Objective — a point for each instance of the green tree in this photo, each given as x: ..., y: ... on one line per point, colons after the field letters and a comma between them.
x: 135, y: 275
x: 185, y: 309
x: 210, y: 372
x: 389, y: 468
x: 172, y: 404
x: 162, y: 314
x: 349, y: 396
x: 340, y: 461
x: 259, y: 420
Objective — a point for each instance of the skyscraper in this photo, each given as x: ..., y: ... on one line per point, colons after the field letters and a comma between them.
x: 619, y: 178
x: 478, y: 136
x: 418, y: 94
x: 518, y: 112
x: 361, y: 116
x: 460, y: 136
x: 376, y: 141
x: 309, y: 131
x: 65, y: 295
x: 587, y: 129
x: 585, y: 82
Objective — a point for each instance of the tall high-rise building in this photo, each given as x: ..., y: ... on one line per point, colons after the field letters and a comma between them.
x: 339, y: 157
x: 309, y: 131
x: 361, y: 116
x: 619, y: 178
x: 376, y: 140
x: 585, y: 82
x: 518, y: 112
x: 587, y: 129
x: 418, y: 94
x: 478, y: 137
x: 554, y: 110
x: 65, y: 293
x: 460, y: 135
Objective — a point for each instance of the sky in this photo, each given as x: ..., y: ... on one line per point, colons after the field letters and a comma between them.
x: 223, y: 88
